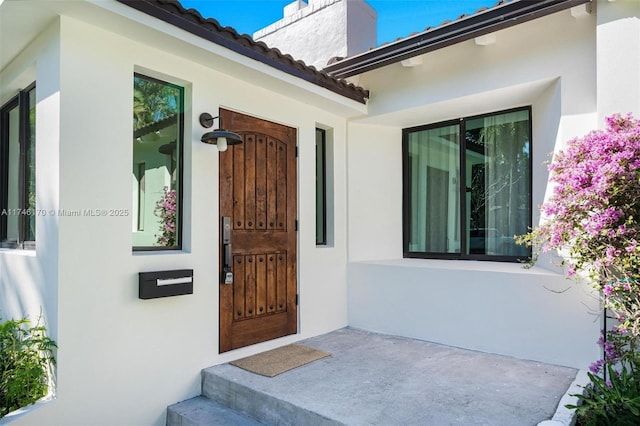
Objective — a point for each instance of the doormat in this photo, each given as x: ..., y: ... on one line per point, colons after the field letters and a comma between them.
x: 277, y: 361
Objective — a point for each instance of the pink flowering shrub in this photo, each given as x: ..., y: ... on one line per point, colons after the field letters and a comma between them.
x: 593, y: 218
x: 595, y: 208
x: 593, y: 215
x: 166, y: 210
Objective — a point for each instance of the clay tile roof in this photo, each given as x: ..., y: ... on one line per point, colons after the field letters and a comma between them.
x: 190, y: 20
x: 504, y: 14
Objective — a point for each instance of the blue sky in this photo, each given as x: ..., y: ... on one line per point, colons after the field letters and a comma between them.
x: 396, y: 18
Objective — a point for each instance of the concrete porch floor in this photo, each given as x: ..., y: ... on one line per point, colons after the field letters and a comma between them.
x: 375, y: 379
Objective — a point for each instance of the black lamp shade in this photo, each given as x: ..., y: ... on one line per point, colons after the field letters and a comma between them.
x: 212, y: 137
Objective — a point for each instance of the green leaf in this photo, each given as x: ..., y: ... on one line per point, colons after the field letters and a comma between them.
x: 26, y: 356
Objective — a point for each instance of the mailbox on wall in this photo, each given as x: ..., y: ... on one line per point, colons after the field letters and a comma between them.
x: 165, y: 283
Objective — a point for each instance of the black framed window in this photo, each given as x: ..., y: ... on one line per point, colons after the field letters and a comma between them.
x: 18, y: 171
x: 158, y: 134
x: 321, y: 187
x: 467, y: 187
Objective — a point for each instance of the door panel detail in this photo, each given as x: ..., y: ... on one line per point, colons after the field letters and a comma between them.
x: 256, y: 289
x: 258, y: 191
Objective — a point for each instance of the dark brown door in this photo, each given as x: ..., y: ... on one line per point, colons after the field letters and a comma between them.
x: 258, y: 195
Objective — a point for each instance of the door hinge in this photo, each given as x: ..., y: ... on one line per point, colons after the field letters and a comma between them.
x: 296, y: 299
x: 296, y: 151
x: 296, y: 225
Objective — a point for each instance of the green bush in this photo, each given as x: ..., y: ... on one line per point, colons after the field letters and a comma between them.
x: 26, y: 356
x: 610, y: 402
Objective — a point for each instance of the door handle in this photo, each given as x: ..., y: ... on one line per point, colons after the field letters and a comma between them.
x: 227, y: 264
x: 227, y: 257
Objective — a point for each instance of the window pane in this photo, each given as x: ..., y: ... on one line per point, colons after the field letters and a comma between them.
x: 17, y: 171
x: 157, y: 139
x: 434, y: 156
x: 13, y: 181
x: 498, y: 173
x: 31, y: 168
x: 321, y: 208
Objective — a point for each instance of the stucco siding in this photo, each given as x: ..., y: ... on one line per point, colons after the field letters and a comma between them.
x: 548, y: 64
x: 123, y: 360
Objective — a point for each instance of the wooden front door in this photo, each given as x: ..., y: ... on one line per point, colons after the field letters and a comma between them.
x: 258, y: 200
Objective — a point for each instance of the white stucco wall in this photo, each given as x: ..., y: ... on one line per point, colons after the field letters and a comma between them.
x: 323, y: 29
x: 29, y: 278
x: 618, y: 50
x: 549, y: 64
x: 123, y: 360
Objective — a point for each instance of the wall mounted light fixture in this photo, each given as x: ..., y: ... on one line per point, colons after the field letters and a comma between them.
x: 219, y: 137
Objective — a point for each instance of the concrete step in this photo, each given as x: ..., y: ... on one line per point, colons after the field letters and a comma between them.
x: 268, y: 409
x: 374, y: 379
x: 201, y: 411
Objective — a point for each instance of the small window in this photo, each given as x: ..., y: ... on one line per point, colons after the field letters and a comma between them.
x: 321, y: 187
x: 467, y: 187
x: 18, y: 171
x: 158, y: 123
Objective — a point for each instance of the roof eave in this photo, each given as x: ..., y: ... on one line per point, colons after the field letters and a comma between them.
x: 212, y: 31
x: 486, y: 22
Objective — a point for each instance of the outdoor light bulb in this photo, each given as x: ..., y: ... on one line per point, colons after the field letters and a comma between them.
x: 222, y: 144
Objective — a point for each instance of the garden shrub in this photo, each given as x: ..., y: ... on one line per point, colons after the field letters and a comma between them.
x: 593, y: 219
x: 26, y: 358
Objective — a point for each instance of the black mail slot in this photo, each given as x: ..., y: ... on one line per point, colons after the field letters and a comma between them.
x: 165, y: 283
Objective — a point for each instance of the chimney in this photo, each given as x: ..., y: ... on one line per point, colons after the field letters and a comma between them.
x: 322, y: 29
x: 292, y: 8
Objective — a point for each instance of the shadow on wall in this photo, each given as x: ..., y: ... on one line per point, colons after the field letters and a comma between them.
x: 29, y: 280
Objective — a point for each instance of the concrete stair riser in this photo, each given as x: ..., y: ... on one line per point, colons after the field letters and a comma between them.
x: 200, y: 411
x: 266, y: 408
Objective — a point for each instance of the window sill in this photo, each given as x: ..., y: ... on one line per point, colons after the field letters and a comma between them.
x: 138, y: 253
x: 29, y: 252
x: 465, y: 265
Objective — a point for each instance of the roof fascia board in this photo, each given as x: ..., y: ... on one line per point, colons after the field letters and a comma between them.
x: 491, y: 20
x: 243, y: 47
